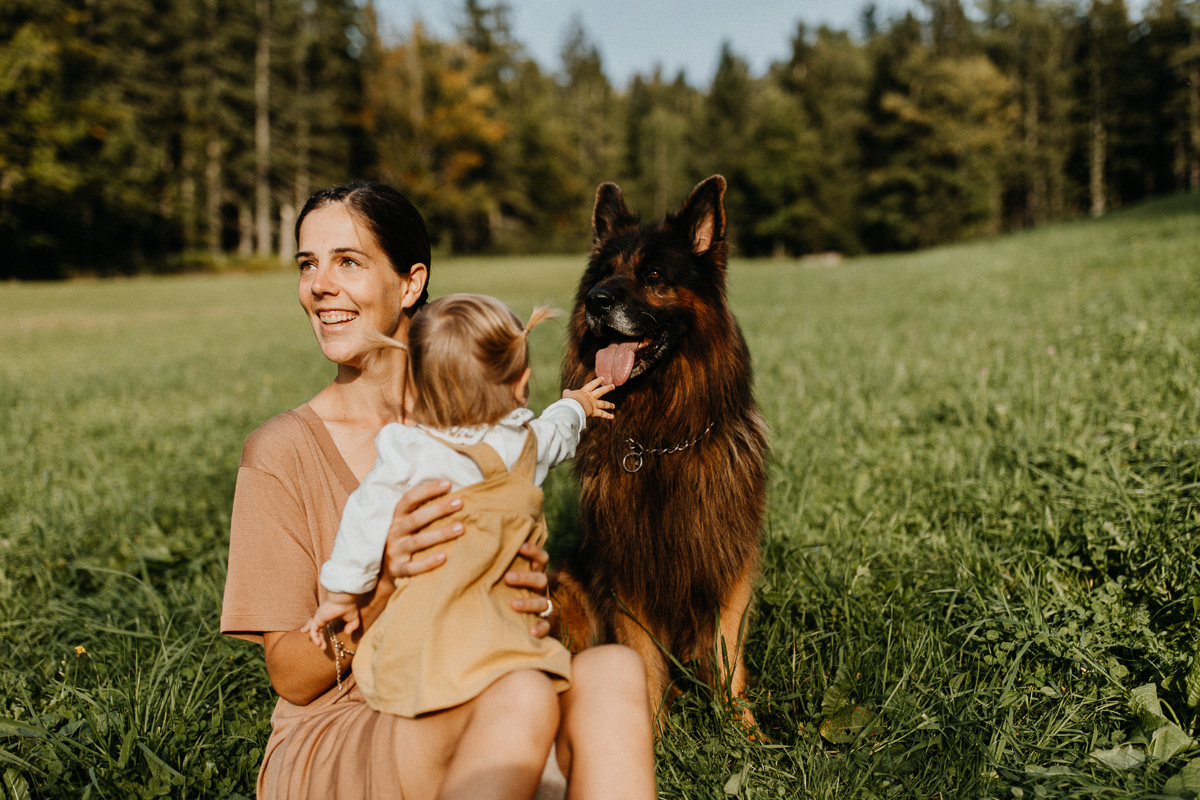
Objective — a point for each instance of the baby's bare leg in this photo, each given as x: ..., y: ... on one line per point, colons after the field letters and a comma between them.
x: 506, y: 740
x: 606, y: 742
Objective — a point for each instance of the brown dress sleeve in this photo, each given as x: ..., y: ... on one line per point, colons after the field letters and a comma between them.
x: 275, y: 539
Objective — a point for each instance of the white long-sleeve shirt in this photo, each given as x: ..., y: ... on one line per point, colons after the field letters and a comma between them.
x: 409, y: 456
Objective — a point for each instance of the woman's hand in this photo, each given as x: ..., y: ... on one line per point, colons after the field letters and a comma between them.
x: 534, y: 579
x: 410, y: 534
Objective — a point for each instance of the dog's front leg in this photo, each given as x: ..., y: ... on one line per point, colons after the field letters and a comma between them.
x: 658, y: 672
x: 731, y: 664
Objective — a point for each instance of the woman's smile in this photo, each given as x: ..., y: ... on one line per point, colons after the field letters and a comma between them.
x: 334, y: 317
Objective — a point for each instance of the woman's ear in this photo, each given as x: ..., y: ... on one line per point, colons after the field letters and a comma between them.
x: 418, y: 276
x: 521, y: 387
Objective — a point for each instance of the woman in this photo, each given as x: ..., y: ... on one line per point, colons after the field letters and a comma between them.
x: 364, y: 265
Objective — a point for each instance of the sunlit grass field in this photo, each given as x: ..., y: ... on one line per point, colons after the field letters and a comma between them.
x: 980, y: 574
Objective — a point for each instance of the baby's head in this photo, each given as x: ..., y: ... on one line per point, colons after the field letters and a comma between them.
x: 470, y: 358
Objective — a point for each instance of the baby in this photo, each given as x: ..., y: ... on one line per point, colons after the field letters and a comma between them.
x: 447, y: 634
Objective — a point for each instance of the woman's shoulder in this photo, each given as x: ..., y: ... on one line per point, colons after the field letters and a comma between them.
x: 276, y: 440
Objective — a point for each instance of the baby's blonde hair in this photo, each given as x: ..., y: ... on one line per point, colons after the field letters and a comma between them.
x: 467, y: 352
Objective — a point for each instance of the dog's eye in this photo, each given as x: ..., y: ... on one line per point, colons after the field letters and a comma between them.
x: 653, y: 275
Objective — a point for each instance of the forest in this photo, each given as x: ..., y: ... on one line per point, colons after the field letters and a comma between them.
x: 167, y: 135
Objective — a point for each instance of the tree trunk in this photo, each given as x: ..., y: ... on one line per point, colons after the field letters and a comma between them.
x: 187, y: 203
x: 303, y: 178
x: 1098, y: 133
x: 213, y: 192
x: 262, y: 129
x: 245, y: 231
x: 287, y: 233
x: 1194, y: 111
x: 1035, y: 200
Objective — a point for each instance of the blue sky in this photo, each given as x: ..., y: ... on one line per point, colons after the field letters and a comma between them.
x: 634, y: 35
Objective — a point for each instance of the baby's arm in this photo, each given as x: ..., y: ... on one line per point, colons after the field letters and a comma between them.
x: 559, y: 426
x: 357, y: 555
x: 337, y: 605
x: 589, y: 397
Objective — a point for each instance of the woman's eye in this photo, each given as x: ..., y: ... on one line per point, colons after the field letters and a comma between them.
x: 306, y: 265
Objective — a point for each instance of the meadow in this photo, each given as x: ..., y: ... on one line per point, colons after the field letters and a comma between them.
x: 980, y: 562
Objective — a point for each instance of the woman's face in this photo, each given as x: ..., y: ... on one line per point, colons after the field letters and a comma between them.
x: 348, y: 286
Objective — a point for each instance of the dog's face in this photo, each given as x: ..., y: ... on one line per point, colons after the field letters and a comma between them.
x: 645, y: 287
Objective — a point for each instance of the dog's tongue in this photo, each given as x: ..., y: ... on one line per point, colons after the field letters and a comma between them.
x: 615, y: 362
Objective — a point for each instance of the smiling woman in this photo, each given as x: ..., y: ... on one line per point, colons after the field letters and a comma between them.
x: 364, y: 265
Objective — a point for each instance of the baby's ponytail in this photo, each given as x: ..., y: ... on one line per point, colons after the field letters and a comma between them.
x: 539, y: 315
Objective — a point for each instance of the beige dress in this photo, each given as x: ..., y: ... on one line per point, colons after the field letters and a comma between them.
x: 292, y: 486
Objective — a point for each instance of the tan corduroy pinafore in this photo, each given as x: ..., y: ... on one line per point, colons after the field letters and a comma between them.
x: 446, y: 635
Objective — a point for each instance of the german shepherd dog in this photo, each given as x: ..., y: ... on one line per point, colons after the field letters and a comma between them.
x: 673, y: 490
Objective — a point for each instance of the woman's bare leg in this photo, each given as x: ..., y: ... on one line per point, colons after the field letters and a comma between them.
x: 506, y: 740
x: 606, y: 740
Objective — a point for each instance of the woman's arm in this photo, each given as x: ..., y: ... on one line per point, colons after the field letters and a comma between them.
x: 301, y: 672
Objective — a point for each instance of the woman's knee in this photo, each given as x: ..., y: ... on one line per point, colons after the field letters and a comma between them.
x: 610, y: 668
x: 528, y: 696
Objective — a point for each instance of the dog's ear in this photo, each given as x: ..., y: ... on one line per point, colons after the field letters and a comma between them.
x: 702, y: 217
x: 611, y: 214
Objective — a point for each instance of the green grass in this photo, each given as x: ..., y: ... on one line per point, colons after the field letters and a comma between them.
x: 982, y: 534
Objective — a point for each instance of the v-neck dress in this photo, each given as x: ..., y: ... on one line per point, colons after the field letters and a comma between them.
x: 291, y: 488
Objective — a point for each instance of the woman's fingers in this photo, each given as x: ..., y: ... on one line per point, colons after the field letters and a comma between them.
x: 431, y: 537
x: 400, y: 553
x: 534, y: 605
x: 527, y: 579
x: 418, y: 565
x: 537, y: 556
x: 421, y: 494
x: 405, y: 523
x: 530, y: 605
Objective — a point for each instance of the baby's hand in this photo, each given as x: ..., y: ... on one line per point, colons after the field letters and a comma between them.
x: 589, y: 397
x: 337, y: 605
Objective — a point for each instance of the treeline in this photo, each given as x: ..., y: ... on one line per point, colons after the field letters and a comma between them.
x: 159, y: 134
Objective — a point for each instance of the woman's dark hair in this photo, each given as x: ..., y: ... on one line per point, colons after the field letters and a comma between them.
x: 390, y: 217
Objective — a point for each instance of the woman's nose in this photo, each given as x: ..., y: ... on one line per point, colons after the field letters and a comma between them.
x: 323, y: 281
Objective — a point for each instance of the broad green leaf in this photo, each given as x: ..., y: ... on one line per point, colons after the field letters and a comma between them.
x: 837, y: 696
x: 846, y: 725
x: 1121, y: 757
x: 1186, y: 782
x: 734, y: 784
x: 1058, y: 769
x: 1192, y: 684
x: 1167, y: 741
x: 1143, y: 701
x: 16, y: 786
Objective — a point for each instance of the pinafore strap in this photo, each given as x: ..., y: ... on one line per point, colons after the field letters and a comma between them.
x: 489, y: 461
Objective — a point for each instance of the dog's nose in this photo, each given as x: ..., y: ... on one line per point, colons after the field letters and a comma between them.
x: 601, y: 300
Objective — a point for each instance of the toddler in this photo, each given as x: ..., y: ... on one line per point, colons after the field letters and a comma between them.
x: 449, y: 633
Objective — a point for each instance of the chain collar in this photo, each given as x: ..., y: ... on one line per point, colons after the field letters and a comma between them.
x: 636, y: 457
